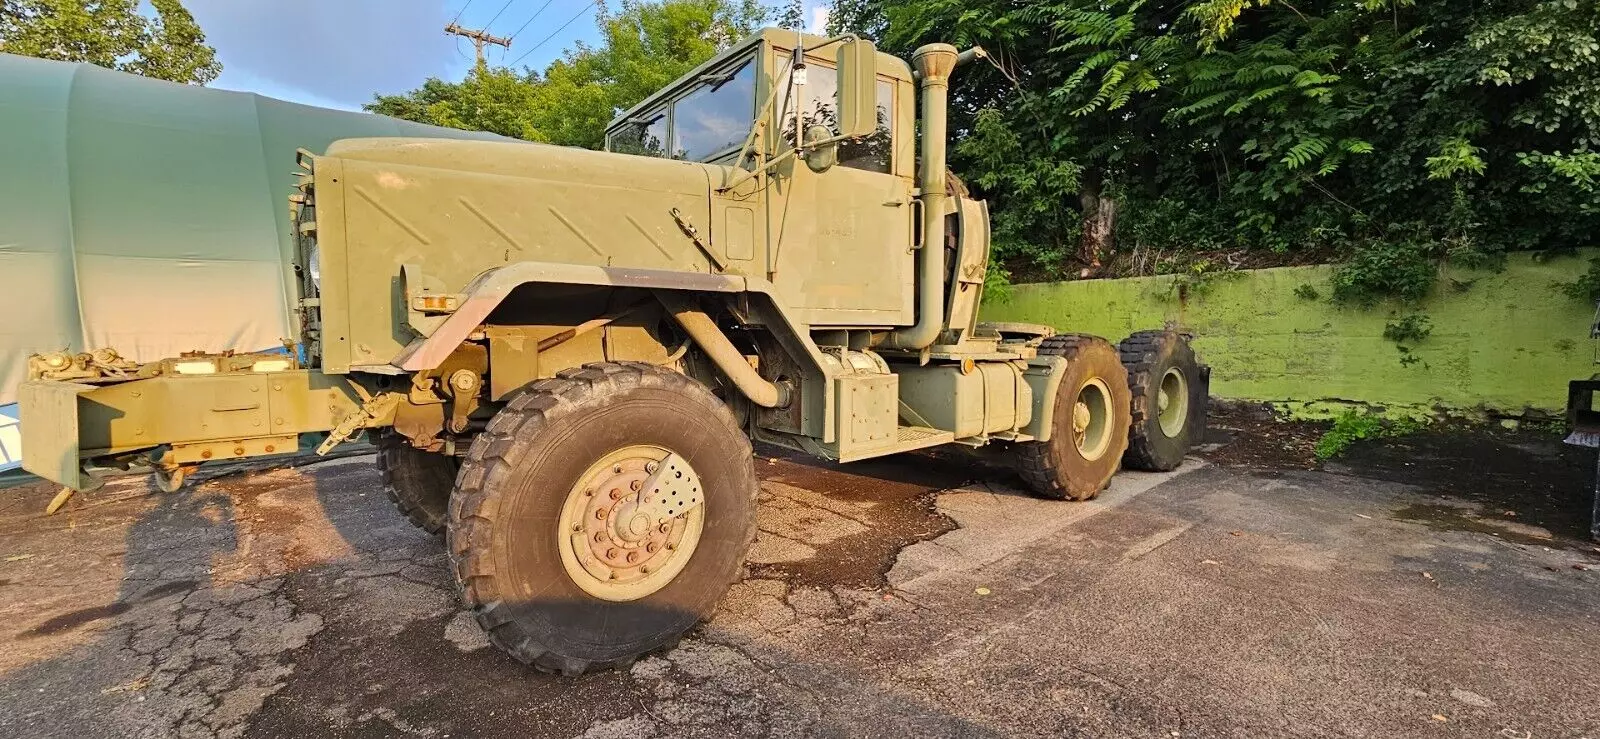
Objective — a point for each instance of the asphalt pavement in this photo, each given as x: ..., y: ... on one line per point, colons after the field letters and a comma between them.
x: 915, y: 596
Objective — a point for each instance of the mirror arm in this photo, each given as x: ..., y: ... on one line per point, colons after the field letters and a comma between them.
x: 749, y: 173
x: 833, y: 40
x: 825, y: 142
x: 761, y: 120
x: 758, y: 126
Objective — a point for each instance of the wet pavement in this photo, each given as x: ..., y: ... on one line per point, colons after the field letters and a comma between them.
x: 1387, y: 594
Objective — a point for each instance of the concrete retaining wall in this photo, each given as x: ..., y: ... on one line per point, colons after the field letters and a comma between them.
x: 1506, y: 342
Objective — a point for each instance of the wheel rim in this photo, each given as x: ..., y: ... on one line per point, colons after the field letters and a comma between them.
x: 1172, y: 402
x: 611, y: 549
x: 1091, y: 419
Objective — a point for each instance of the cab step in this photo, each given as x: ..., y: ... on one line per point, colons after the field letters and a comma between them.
x: 907, y: 439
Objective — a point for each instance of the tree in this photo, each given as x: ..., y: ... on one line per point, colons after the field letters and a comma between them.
x: 111, y: 34
x: 643, y: 47
x: 1397, y: 132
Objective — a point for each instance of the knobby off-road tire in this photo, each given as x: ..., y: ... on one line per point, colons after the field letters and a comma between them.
x: 512, y: 534
x: 1170, y: 389
x: 1090, y: 428
x: 418, y: 482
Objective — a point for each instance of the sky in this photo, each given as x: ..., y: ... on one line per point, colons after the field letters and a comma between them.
x: 338, y: 53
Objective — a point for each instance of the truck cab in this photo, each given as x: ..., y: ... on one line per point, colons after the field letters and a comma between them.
x: 849, y: 222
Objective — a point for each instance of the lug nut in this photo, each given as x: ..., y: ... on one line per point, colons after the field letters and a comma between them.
x: 577, y: 528
x: 611, y: 554
x: 636, y: 485
x: 616, y: 493
x: 600, y: 514
x: 664, y: 528
x: 600, y: 536
x: 633, y: 557
x: 617, y: 470
x: 651, y: 466
x: 652, y: 547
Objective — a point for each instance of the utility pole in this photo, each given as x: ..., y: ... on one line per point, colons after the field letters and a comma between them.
x: 479, y: 38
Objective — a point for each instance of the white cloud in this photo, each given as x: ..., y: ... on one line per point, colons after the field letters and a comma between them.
x: 819, y: 19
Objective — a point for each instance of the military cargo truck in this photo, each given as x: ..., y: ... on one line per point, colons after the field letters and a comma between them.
x: 564, y: 355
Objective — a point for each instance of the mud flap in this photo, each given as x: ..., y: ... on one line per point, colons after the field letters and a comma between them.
x: 1200, y: 404
x: 50, y: 431
x: 1583, y: 422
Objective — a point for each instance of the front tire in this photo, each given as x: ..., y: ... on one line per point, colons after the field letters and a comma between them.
x: 538, y: 528
x: 1089, y: 430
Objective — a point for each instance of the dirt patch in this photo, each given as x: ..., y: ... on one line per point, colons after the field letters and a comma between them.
x: 1252, y: 435
x: 873, y: 509
x: 1522, y: 485
x: 1515, y: 479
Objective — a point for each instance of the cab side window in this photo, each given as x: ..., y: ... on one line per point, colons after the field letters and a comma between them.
x: 819, y: 105
x: 645, y: 135
x: 715, y: 116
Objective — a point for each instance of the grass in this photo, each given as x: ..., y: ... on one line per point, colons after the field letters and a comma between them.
x: 1353, y: 426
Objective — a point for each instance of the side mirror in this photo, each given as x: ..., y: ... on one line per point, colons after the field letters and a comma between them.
x: 858, y: 88
x: 821, y: 158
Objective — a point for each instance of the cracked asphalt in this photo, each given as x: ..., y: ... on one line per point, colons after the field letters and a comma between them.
x: 913, y: 596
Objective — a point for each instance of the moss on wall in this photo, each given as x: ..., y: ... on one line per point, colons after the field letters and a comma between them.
x: 1506, y: 341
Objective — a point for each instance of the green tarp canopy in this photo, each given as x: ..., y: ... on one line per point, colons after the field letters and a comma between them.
x: 147, y: 216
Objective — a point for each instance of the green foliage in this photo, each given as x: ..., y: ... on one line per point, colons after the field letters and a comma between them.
x: 1409, y: 329
x: 167, y: 45
x: 1394, y: 134
x: 1587, y: 286
x: 1354, y: 425
x: 1307, y: 292
x: 996, y: 286
x: 1380, y: 269
x: 644, y: 46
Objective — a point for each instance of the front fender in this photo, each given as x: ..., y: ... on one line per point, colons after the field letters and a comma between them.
x: 489, y: 289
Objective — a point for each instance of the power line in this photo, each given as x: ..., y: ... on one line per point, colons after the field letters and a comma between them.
x: 497, y: 15
x: 462, y: 10
x: 530, y: 20
x: 553, y: 35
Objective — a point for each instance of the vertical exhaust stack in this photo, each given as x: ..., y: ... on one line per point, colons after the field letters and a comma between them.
x: 933, y: 64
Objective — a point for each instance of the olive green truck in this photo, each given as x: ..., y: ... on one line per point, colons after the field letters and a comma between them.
x: 564, y: 355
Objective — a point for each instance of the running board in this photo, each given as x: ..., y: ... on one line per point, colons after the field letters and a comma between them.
x: 907, y: 439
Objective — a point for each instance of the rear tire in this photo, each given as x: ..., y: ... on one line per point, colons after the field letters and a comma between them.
x: 1089, y: 431
x: 1169, y: 387
x: 556, y: 459
x: 418, y: 482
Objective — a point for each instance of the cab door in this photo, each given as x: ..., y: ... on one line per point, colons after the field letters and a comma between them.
x: 842, y: 237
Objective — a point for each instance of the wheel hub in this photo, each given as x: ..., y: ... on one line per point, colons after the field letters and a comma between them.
x: 620, y: 544
x: 1172, y: 403
x: 1091, y: 419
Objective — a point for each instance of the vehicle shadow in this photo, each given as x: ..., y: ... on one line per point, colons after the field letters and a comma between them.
x: 938, y: 469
